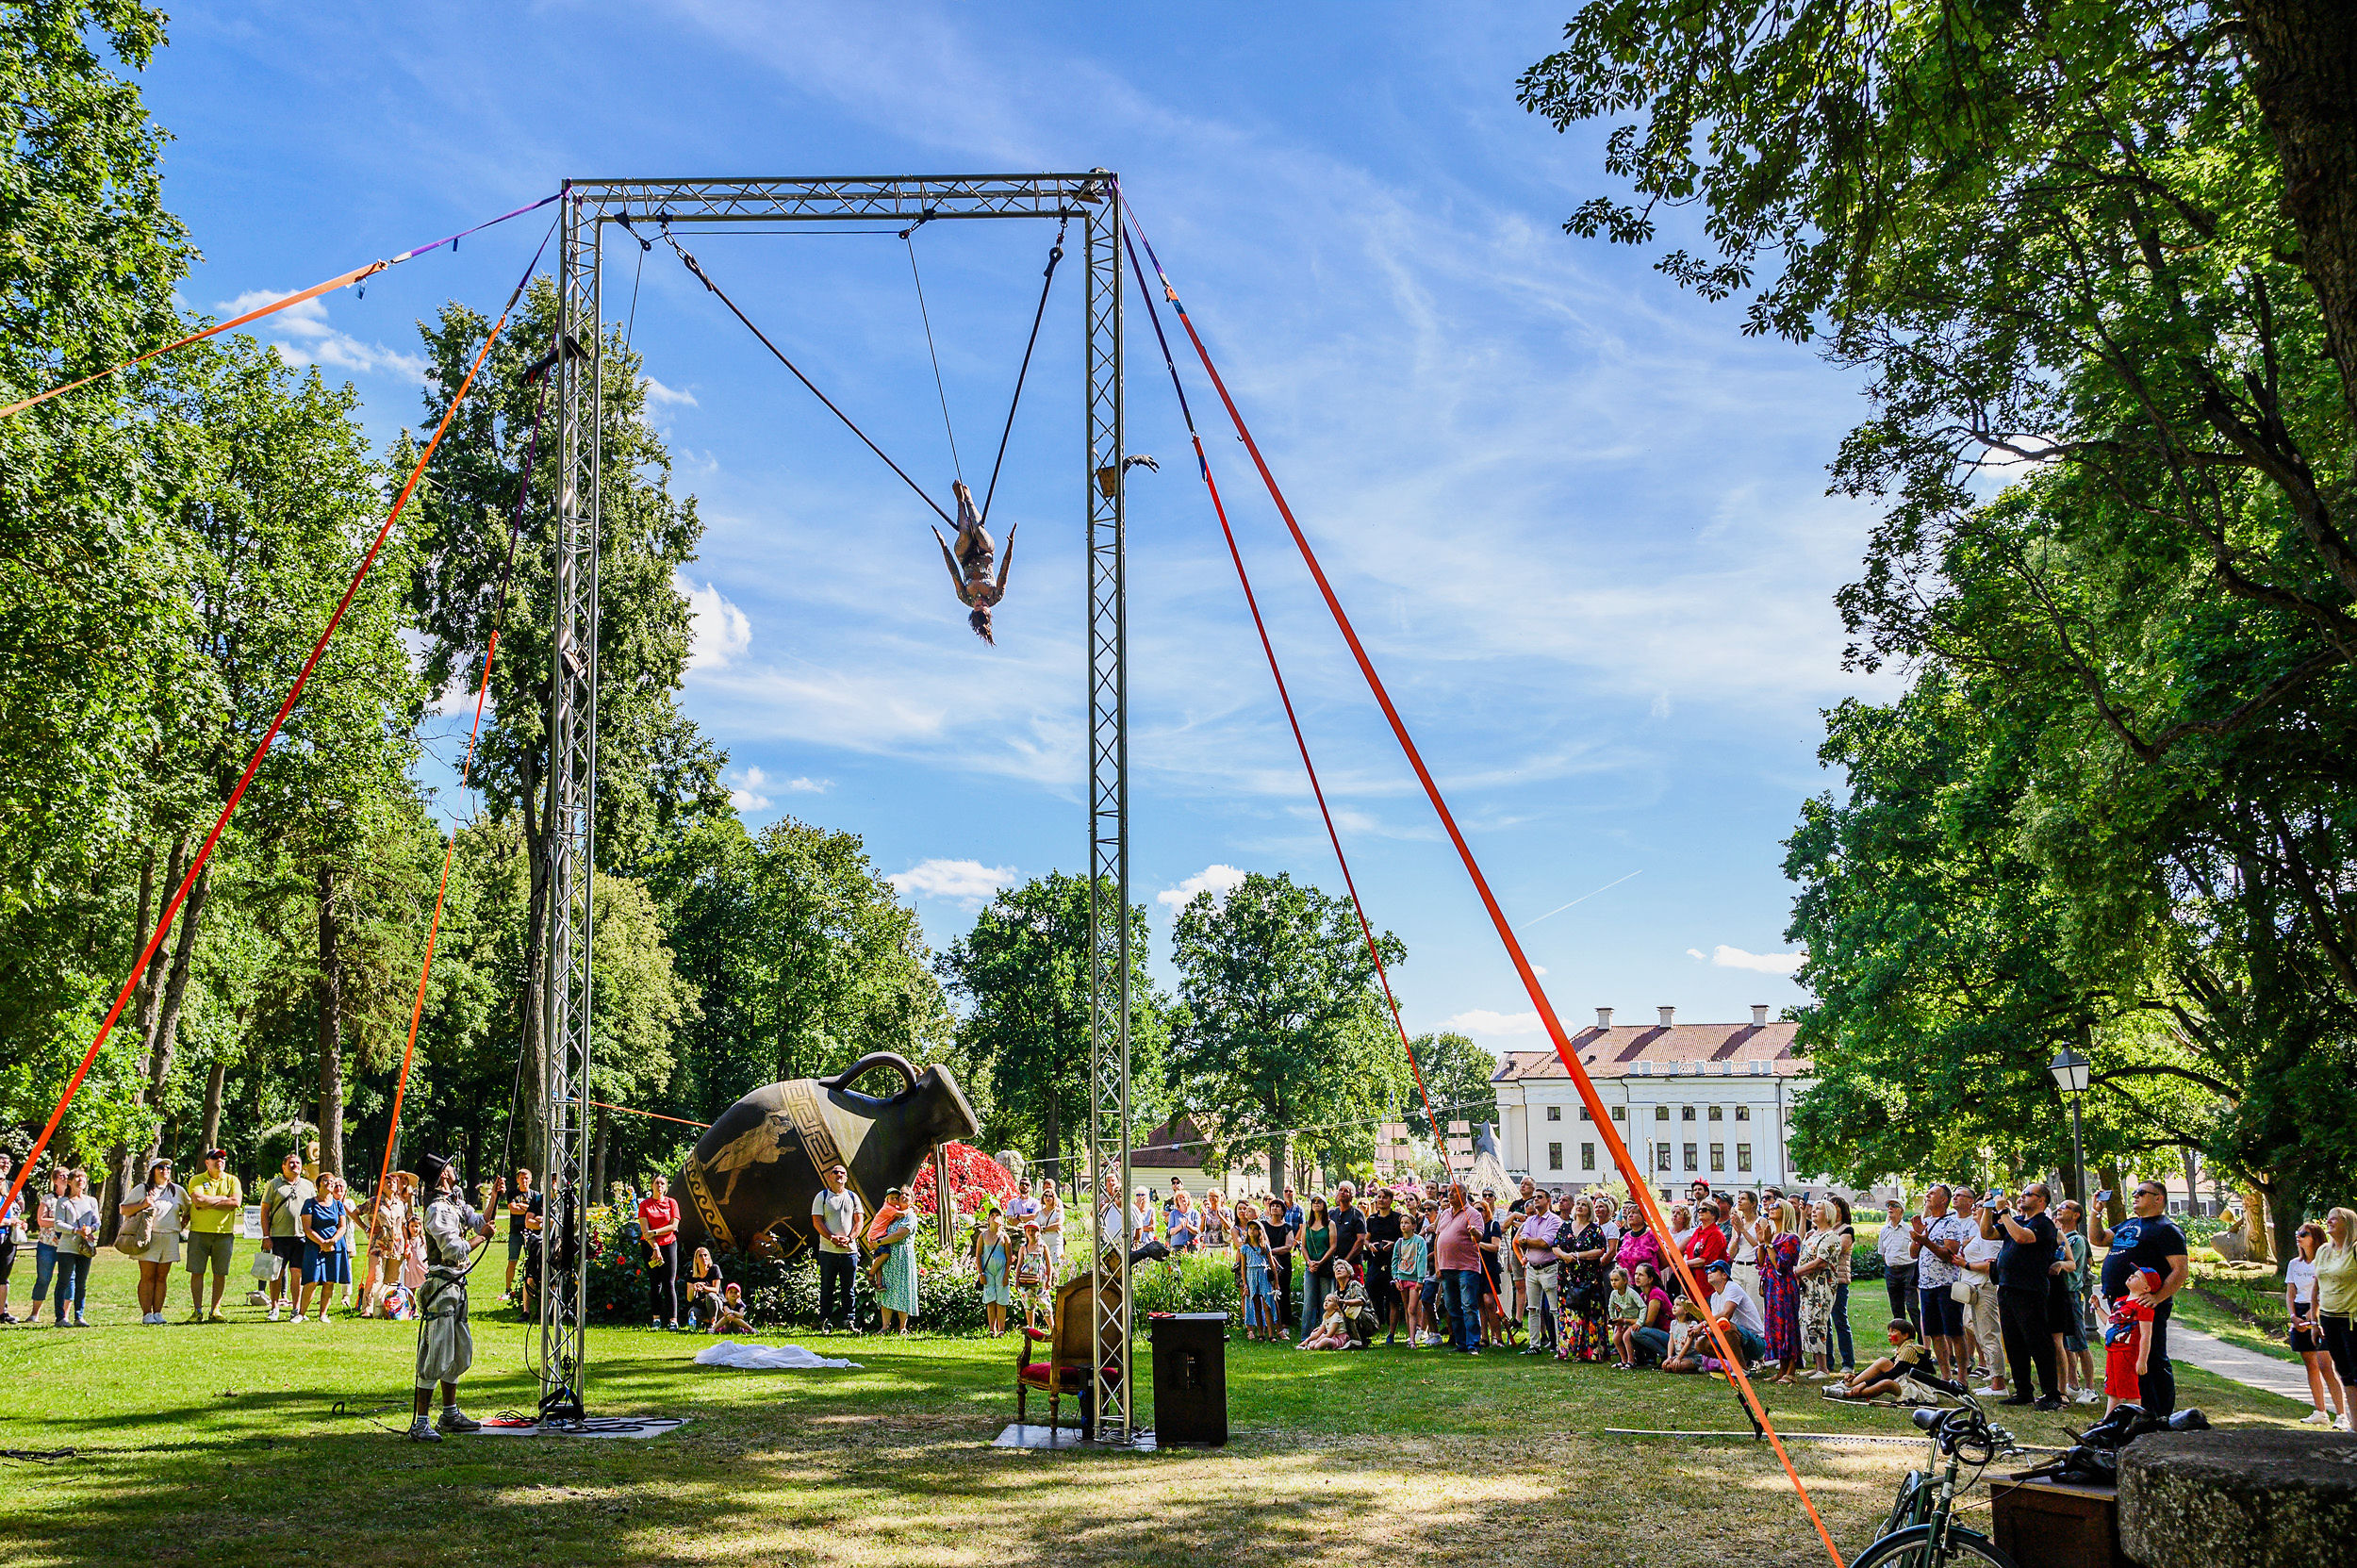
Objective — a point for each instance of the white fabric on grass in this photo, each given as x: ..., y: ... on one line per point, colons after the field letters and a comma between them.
x: 768, y: 1358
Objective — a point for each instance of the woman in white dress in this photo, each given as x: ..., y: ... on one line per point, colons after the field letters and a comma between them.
x: 165, y: 1200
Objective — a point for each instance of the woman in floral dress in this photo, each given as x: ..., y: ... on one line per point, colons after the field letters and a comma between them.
x: 1819, y: 1273
x: 1780, y: 1296
x: 1581, y: 1336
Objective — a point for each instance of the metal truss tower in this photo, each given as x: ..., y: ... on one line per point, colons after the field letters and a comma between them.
x: 589, y: 205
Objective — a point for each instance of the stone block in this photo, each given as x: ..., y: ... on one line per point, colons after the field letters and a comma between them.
x: 2245, y: 1498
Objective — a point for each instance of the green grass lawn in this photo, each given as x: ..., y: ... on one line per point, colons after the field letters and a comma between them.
x: 220, y: 1444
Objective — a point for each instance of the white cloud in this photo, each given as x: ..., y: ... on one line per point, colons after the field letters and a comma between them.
x: 1218, y: 881
x: 722, y: 631
x: 964, y: 881
x: 304, y: 336
x: 1766, y: 963
x: 660, y: 396
x: 1481, y: 1021
x: 1696, y: 955
x: 1538, y: 969
x: 745, y: 789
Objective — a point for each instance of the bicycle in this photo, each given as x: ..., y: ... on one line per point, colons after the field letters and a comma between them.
x: 1921, y: 1530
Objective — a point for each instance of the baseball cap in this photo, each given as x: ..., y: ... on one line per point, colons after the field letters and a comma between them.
x: 1716, y: 1265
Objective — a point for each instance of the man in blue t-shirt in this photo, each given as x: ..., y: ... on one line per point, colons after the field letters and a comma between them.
x: 2148, y: 1239
x: 2025, y: 1261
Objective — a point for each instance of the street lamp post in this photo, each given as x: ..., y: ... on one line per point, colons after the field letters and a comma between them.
x: 2070, y: 1070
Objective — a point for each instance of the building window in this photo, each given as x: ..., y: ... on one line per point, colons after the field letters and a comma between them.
x: 1743, y: 1113
x: 1718, y: 1157
x: 1661, y: 1157
x: 1686, y: 1113
x: 1585, y: 1115
x: 1554, y: 1112
x: 1587, y: 1157
x: 1661, y: 1112
x: 1690, y: 1158
x: 1742, y: 1157
x: 1620, y: 1112
x: 1718, y: 1113
x: 1555, y: 1156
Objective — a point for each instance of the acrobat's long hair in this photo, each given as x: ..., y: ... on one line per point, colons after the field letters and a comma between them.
x: 980, y: 620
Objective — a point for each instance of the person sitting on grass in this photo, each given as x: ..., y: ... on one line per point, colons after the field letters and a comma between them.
x: 1358, y: 1308
x: 1690, y: 1347
x: 1623, y: 1312
x: 1892, y: 1377
x: 1333, y: 1330
x: 729, y: 1316
x: 704, y: 1286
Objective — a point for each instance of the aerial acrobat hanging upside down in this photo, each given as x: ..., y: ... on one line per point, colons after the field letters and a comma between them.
x: 969, y: 566
x: 970, y: 562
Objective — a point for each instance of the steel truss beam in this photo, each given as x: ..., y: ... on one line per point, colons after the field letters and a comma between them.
x: 588, y: 207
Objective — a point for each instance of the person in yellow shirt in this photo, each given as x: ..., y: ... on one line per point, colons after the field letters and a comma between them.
x: 216, y: 1203
x: 2337, y: 1297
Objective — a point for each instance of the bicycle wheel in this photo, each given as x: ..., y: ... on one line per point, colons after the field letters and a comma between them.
x: 1912, y: 1548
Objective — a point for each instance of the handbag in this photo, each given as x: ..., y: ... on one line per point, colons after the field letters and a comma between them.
x: 267, y: 1265
x: 137, y: 1232
x: 1960, y: 1292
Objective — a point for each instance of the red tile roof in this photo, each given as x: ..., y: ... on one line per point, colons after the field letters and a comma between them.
x: 1712, y: 1049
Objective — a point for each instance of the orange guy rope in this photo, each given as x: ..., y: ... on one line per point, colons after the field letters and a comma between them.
x: 1637, y: 1186
x: 254, y: 763
x: 1203, y: 463
x: 358, y: 275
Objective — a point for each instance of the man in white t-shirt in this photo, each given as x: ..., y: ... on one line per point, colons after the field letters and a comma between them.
x: 1732, y: 1305
x: 834, y: 1215
x: 1897, y: 1248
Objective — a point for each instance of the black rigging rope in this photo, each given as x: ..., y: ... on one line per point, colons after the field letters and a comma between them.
x: 1048, y: 281
x: 925, y: 316
x: 705, y: 278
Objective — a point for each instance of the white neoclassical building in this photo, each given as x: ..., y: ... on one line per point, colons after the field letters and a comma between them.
x: 1708, y: 1102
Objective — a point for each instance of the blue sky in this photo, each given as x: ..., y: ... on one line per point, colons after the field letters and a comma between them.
x: 1580, y: 520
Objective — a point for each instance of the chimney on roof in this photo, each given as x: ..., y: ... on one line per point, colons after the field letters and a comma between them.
x: 1668, y: 1017
x: 1603, y: 1017
x: 1759, y: 1015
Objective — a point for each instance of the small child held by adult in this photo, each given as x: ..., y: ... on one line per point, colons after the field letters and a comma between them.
x: 2128, y: 1343
x: 1891, y: 1376
x: 1690, y: 1347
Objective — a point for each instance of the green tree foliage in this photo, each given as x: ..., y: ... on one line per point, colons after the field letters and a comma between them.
x: 2110, y: 250
x: 86, y: 281
x: 1283, y: 1025
x: 1023, y: 975
x: 655, y: 768
x: 1456, y: 1075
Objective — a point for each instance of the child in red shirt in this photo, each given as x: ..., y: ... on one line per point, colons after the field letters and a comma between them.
x: 2129, y: 1341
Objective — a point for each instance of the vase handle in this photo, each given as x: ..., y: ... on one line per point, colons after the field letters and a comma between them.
x: 868, y: 1063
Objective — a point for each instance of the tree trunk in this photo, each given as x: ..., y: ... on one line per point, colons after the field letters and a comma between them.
x: 1055, y: 1131
x: 330, y: 996
x: 2255, y: 1225
x: 151, y: 980
x: 2115, y: 1211
x: 1278, y: 1156
x: 2304, y: 55
x: 532, y: 1109
x: 2285, y: 1206
x: 2193, y: 1180
x: 215, y: 1077
x: 130, y: 1167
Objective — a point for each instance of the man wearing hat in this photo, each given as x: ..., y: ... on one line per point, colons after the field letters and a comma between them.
x: 216, y: 1203
x: 445, y: 1345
